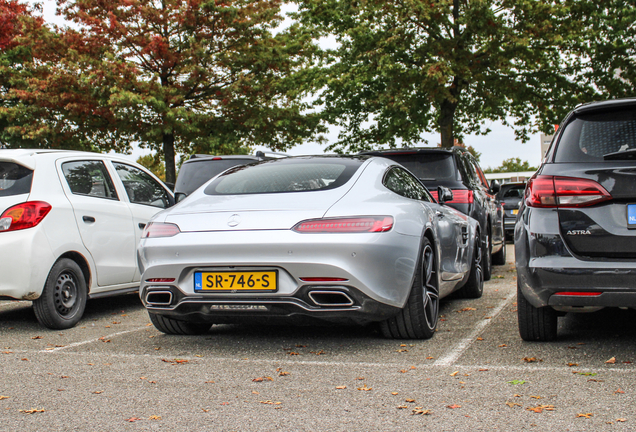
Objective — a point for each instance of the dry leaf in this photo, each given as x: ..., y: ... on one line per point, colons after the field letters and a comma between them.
x: 430, y: 358
x: 283, y: 374
x: 292, y: 353
x: 466, y: 309
x: 420, y: 411
x: 512, y: 404
x: 535, y: 397
x: 402, y: 407
x: 483, y: 370
x: 360, y: 378
x: 32, y: 411
x: 573, y: 364
x: 341, y: 387
x: 98, y: 392
x: 480, y: 339
x: 588, y: 415
x: 622, y: 420
x: 531, y: 359
x: 502, y: 346
x: 365, y: 388
x: 394, y: 393
x: 133, y: 419
x: 402, y: 350
x: 155, y: 417
x: 541, y: 408
x: 4, y: 397
x: 269, y: 402
x: 611, y: 361
x: 454, y: 373
x: 36, y: 337
x: 454, y: 406
x: 619, y: 391
x: 409, y: 400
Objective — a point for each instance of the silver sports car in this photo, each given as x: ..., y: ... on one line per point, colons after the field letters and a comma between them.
x: 344, y: 239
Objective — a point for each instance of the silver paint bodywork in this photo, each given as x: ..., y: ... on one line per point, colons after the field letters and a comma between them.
x: 247, y: 232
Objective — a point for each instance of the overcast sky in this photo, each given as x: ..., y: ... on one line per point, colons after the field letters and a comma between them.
x: 495, y: 147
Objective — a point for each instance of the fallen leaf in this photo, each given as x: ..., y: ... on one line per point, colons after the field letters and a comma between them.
x: 360, y: 378
x: 466, y: 309
x: 502, y: 346
x: 292, y: 353
x: 402, y: 350
x: 283, y: 373
x: 535, y: 397
x: 516, y: 382
x: 588, y: 415
x: 341, y: 387
x: 365, y: 388
x: 611, y: 361
x: 255, y: 392
x: 402, y: 407
x: 483, y: 370
x: 269, y: 402
x: 394, y: 393
x: 430, y: 358
x: 261, y: 379
x: 98, y: 392
x: 454, y: 373
x: 619, y: 391
x: 155, y: 417
x: 541, y: 408
x: 4, y: 397
x: 209, y: 382
x: 409, y: 400
x: 133, y: 419
x: 480, y: 339
x: 454, y: 406
x: 103, y: 339
x: 622, y: 420
x: 175, y: 361
x: 513, y: 404
x: 420, y: 411
x: 32, y: 411
x: 301, y: 346
x: 530, y: 359
x: 36, y: 337
x: 321, y: 352
x: 573, y: 364
x: 585, y: 373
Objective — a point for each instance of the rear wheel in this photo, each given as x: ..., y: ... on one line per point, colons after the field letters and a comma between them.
x: 474, y: 288
x: 175, y: 327
x: 487, y: 257
x: 63, y: 299
x: 418, y: 318
x: 499, y: 258
x: 535, y: 324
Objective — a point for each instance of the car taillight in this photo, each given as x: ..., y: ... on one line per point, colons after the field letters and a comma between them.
x: 346, y: 225
x: 160, y: 229
x: 551, y: 191
x: 460, y: 196
x: 23, y: 216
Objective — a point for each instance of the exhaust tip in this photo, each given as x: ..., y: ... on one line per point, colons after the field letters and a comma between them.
x: 159, y: 298
x: 330, y: 298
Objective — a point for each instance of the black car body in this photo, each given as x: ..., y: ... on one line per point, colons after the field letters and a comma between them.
x: 575, y: 237
x: 458, y: 170
x: 509, y: 197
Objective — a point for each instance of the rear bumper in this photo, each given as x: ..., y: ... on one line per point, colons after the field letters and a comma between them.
x: 545, y: 267
x: 301, y: 306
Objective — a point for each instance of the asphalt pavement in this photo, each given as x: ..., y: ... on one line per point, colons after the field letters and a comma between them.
x: 115, y: 371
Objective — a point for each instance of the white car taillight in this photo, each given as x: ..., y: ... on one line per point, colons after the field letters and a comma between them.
x: 358, y: 224
x: 160, y: 229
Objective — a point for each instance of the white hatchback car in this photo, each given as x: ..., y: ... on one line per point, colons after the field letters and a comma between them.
x: 70, y: 223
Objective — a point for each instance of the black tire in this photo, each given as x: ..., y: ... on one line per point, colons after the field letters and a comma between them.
x: 474, y: 287
x: 63, y: 299
x: 487, y: 257
x: 175, y: 327
x: 418, y: 318
x: 535, y: 324
x: 499, y: 258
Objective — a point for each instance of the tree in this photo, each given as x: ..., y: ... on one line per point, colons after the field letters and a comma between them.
x: 193, y: 76
x: 404, y: 67
x: 512, y: 165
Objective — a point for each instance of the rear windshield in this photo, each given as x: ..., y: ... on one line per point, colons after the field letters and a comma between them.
x: 428, y: 166
x: 513, y: 191
x: 285, y: 175
x: 588, y: 137
x: 14, y: 179
x: 194, y: 174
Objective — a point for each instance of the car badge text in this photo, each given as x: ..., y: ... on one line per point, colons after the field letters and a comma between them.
x: 579, y: 232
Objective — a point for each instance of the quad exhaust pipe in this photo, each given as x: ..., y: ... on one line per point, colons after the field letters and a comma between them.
x: 330, y: 298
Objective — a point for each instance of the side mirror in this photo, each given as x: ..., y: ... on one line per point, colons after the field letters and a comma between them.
x: 180, y: 196
x: 444, y: 194
x: 494, y: 186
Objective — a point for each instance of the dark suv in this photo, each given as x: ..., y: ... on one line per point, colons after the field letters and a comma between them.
x: 510, y: 197
x: 575, y: 237
x: 201, y: 168
x: 458, y: 170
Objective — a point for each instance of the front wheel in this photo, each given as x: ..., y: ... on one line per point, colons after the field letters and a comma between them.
x: 63, y: 299
x: 418, y: 318
x: 172, y: 326
x: 535, y: 324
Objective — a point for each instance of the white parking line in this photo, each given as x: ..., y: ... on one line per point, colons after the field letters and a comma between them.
x: 463, y: 345
x: 75, y: 344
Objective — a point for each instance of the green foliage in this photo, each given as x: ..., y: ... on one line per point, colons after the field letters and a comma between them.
x: 154, y: 163
x: 405, y: 67
x: 512, y: 165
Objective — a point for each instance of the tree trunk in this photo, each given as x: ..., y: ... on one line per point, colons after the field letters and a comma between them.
x: 168, y: 154
x: 446, y: 123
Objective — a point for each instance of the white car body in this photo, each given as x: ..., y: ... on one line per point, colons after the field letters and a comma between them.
x: 100, y: 234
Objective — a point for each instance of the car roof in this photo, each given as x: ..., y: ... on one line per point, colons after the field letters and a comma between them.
x: 604, y: 105
x: 27, y: 157
x: 412, y: 150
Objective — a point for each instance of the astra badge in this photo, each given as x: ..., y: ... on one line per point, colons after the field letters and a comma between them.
x: 234, y: 220
x: 579, y: 232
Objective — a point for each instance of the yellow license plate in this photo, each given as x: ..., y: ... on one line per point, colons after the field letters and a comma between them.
x: 515, y: 211
x: 236, y: 281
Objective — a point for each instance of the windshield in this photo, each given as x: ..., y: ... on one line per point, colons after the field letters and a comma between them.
x: 590, y: 136
x: 285, y: 175
x: 14, y: 179
x: 193, y: 174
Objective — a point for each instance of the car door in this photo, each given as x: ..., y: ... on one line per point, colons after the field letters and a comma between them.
x: 146, y: 197
x: 104, y: 221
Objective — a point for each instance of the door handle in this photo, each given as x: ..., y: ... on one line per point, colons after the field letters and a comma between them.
x: 142, y: 225
x: 88, y: 218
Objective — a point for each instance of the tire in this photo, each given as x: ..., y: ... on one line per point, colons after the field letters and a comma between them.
x: 175, y: 327
x: 418, y: 318
x: 487, y: 258
x: 63, y: 299
x: 474, y: 287
x: 499, y: 258
x: 535, y: 324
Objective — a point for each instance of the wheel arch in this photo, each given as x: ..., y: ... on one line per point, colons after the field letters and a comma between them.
x: 81, y: 261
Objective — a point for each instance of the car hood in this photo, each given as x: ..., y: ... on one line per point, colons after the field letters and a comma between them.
x: 251, y: 212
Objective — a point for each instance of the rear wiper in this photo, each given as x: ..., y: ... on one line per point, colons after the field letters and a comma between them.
x: 625, y: 154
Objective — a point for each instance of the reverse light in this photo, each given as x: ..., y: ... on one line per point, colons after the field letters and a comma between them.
x: 24, y: 215
x: 160, y: 229
x: 550, y: 191
x: 579, y: 293
x: 360, y: 224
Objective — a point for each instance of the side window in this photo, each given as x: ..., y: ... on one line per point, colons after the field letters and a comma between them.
x: 140, y: 187
x: 89, y: 178
x: 405, y: 184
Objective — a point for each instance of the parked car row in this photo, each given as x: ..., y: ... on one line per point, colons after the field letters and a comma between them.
x: 378, y: 237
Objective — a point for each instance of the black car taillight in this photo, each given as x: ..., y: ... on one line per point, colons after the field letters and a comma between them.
x: 567, y: 192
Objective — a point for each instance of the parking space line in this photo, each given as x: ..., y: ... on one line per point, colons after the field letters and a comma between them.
x: 76, y: 344
x: 463, y: 345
